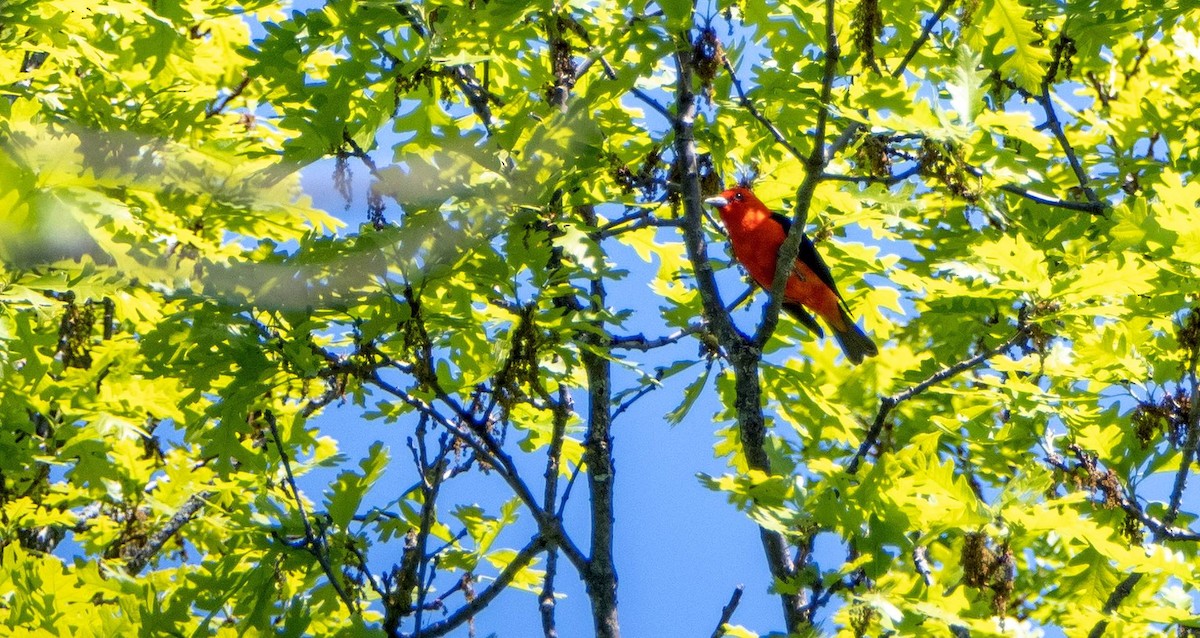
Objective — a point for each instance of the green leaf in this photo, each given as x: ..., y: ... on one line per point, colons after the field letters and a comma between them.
x: 690, y: 394
x: 1016, y: 41
x: 677, y: 12
x: 347, y: 493
x: 965, y: 85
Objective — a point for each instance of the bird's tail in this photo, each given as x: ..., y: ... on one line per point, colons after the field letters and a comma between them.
x: 854, y: 342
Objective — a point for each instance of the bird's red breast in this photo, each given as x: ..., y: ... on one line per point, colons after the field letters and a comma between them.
x: 757, y: 234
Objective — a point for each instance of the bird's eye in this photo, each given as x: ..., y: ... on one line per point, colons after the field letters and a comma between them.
x: 738, y: 196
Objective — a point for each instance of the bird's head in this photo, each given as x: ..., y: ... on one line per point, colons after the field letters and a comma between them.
x: 735, y: 201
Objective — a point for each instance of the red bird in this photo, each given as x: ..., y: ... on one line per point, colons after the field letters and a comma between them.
x: 756, y: 234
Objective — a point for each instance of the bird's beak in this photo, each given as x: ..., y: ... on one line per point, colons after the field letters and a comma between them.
x: 718, y: 202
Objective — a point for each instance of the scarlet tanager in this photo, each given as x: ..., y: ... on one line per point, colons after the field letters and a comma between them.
x: 756, y: 234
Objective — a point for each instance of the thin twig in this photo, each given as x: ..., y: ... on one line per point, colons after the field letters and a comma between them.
x: 814, y: 166
x: 1055, y: 125
x: 1188, y: 452
x: 889, y: 403
x: 1127, y: 502
x: 487, y: 449
x: 924, y: 37
x: 639, y: 217
x: 314, y: 542
x: 1030, y: 194
x: 155, y: 542
x: 562, y: 503
x: 647, y: 388
x: 920, y: 559
x: 485, y: 597
x: 762, y: 119
x: 357, y: 151
x: 727, y: 611
x: 640, y: 94
x: 217, y: 107
x: 1092, y: 206
x: 562, y: 407
x: 644, y: 344
x: 852, y: 130
x: 890, y: 180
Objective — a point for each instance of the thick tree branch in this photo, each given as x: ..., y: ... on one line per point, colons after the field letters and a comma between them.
x: 599, y: 572
x: 600, y: 576
x: 546, y: 601
x: 693, y: 214
x: 889, y: 403
x: 743, y: 354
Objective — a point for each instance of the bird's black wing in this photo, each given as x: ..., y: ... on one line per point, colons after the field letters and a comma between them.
x: 809, y: 255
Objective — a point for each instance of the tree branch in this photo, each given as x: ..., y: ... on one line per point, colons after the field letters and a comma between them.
x: 1045, y: 99
x: 889, y: 403
x: 640, y: 94
x: 890, y: 180
x: 693, y: 214
x: 1094, y: 207
x: 762, y: 119
x: 192, y: 506
x: 1188, y: 452
x: 642, y: 343
x: 1030, y: 194
x: 314, y: 542
x: 814, y: 166
x: 924, y: 37
x: 852, y: 130
x: 485, y: 597
x: 502, y: 464
x: 218, y: 106
x: 727, y: 611
x: 546, y: 601
x: 430, y: 486
x: 562, y: 409
x: 742, y: 353
x: 600, y: 576
x: 1127, y: 502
